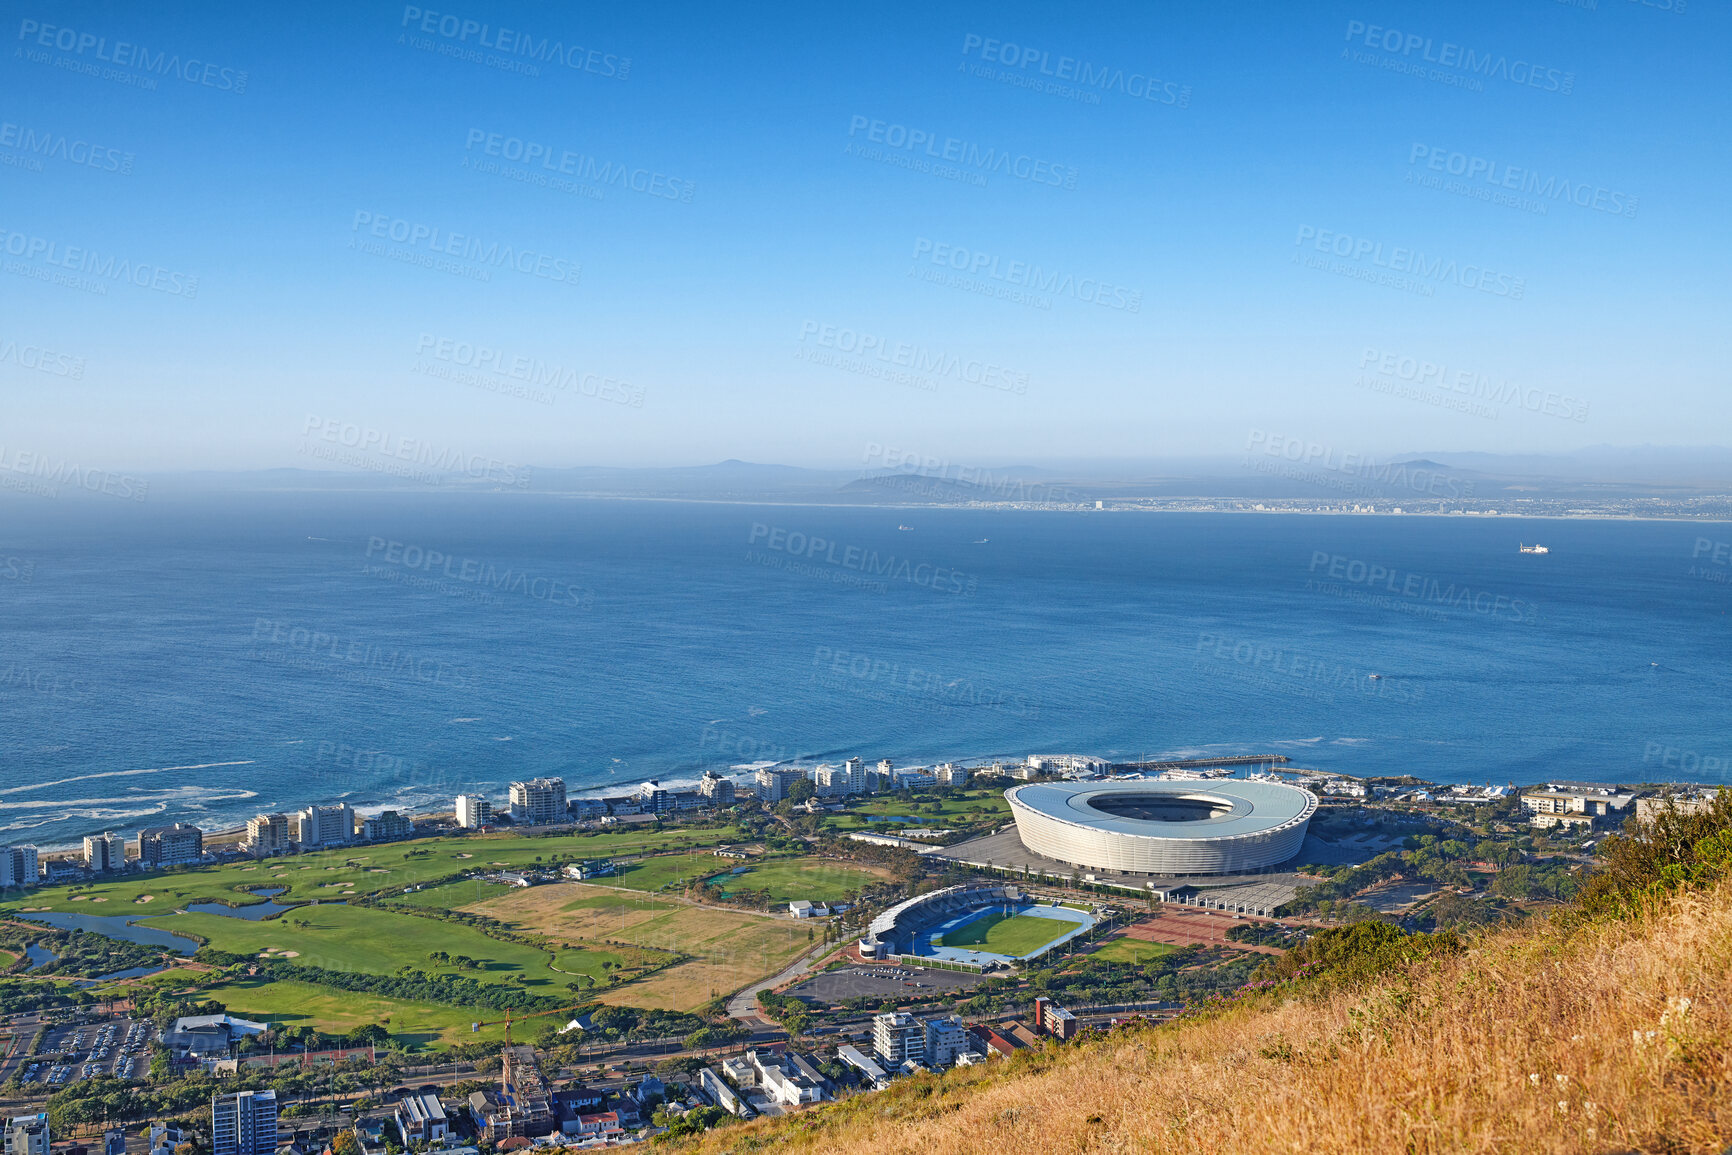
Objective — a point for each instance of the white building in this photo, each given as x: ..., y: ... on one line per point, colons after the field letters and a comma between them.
x: 268, y: 834
x: 473, y: 811
x: 27, y: 1135
x: 19, y: 866
x: 318, y: 826
x: 773, y: 784
x: 946, y: 1038
x: 717, y: 1088
x: 538, y: 802
x: 719, y: 790
x: 831, y: 781
x: 873, y: 1072
x: 788, y: 1087
x: 104, y: 852
x: 897, y: 1038
x: 950, y: 774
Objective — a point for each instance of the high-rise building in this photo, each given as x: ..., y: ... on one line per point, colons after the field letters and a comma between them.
x: 832, y: 781
x: 473, y: 811
x: 268, y: 834
x: 719, y: 790
x: 244, y: 1123
x: 773, y: 784
x: 27, y: 1135
x: 950, y: 774
x: 176, y: 845
x: 946, y: 1038
x: 654, y: 798
x: 318, y: 826
x: 538, y: 802
x: 386, y: 826
x: 104, y: 852
x: 898, y: 1037
x: 1052, y: 1019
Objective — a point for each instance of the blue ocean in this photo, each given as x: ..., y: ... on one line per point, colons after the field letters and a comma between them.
x: 204, y: 658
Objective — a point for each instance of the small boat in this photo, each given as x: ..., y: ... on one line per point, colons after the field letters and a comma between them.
x: 980, y: 541
x: 1375, y: 677
x: 1532, y: 548
x: 905, y: 528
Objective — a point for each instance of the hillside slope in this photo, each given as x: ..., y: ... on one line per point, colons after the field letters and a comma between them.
x: 1610, y: 1037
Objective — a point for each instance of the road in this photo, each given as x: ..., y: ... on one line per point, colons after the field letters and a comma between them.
x: 744, y: 1006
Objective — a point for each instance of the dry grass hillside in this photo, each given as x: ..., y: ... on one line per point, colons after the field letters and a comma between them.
x: 1610, y: 1037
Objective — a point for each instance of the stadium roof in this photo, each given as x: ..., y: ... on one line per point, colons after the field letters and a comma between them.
x: 1242, y: 807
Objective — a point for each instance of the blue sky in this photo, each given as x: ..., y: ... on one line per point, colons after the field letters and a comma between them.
x: 1268, y: 217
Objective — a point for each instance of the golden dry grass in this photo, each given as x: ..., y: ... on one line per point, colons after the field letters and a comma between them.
x: 729, y: 949
x: 1612, y: 1038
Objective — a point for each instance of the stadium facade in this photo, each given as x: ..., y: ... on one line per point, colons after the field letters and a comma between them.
x: 1207, y: 826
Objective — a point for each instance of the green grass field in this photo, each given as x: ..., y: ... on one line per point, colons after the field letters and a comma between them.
x: 665, y: 870
x: 1015, y: 935
x: 974, y: 806
x: 451, y: 895
x: 357, y: 871
x: 1130, y: 950
x: 372, y: 941
x: 418, y: 1026
x: 810, y: 878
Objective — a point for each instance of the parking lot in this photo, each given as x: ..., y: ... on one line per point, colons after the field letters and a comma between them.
x: 119, y: 1047
x: 871, y: 982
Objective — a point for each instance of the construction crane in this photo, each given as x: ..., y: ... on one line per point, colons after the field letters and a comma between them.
x: 507, y: 1020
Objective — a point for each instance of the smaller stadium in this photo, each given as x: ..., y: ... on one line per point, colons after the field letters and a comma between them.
x: 972, y: 928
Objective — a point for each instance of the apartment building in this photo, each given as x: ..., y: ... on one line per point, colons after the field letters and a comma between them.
x: 718, y: 790
x: 244, y: 1123
x: 268, y: 834
x: 176, y: 845
x: 897, y: 1038
x: 538, y: 802
x: 321, y: 826
x: 104, y: 852
x: 386, y: 826
x: 473, y: 811
x: 27, y: 1135
x: 773, y: 784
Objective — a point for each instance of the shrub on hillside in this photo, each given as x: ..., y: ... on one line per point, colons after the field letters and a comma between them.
x: 1358, y: 953
x: 1672, y: 851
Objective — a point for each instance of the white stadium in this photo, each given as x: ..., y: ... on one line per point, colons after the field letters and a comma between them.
x: 1210, y: 826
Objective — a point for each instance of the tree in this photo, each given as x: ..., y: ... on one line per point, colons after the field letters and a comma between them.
x: 345, y: 1144
x: 802, y: 790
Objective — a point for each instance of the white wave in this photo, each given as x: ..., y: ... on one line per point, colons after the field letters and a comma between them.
x: 121, y: 774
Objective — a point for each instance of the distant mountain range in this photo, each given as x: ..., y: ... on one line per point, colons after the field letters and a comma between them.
x: 1598, y: 473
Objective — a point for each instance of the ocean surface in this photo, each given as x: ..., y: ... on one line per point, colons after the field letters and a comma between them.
x: 206, y: 658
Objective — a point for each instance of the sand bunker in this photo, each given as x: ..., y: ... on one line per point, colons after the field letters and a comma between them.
x: 465, y: 856
x: 145, y: 898
x: 99, y: 898
x: 78, y: 898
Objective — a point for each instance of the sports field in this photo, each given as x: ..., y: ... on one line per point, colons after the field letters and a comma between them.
x: 727, y: 949
x: 1014, y: 935
x: 788, y: 879
x: 1129, y: 950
